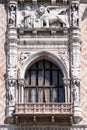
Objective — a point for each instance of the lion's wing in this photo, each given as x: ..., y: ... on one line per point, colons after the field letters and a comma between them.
x: 56, y: 9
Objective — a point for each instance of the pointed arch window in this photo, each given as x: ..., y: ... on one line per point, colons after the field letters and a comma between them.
x: 44, y: 83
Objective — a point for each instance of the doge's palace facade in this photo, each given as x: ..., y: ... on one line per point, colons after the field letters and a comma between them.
x: 43, y: 64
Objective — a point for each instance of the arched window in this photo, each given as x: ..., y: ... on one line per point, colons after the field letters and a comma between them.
x: 44, y: 83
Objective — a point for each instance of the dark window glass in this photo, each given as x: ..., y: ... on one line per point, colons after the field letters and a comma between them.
x: 44, y: 83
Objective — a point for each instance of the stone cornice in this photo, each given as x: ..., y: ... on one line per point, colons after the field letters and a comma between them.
x: 83, y: 1
x: 5, y: 1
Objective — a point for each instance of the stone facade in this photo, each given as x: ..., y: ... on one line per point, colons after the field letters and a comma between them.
x: 17, y: 54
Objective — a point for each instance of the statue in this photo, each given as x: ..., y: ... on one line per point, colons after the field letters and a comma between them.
x: 76, y: 92
x: 74, y: 15
x: 12, y: 19
x: 52, y: 14
x: 12, y: 94
x: 28, y: 20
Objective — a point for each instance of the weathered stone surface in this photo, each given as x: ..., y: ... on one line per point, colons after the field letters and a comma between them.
x: 83, y: 26
x: 3, y: 26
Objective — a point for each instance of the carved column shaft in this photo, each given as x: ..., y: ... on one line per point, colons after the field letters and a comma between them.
x: 21, y: 85
x: 67, y: 90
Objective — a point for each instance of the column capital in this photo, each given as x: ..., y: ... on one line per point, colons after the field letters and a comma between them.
x: 12, y: 82
x: 21, y: 82
x: 76, y: 81
x: 66, y: 81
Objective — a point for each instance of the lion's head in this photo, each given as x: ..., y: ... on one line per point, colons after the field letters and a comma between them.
x: 41, y: 10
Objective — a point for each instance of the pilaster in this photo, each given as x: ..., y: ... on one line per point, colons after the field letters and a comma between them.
x: 11, y: 59
x: 75, y: 59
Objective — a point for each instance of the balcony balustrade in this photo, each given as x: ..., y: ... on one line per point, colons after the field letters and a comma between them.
x: 44, y: 108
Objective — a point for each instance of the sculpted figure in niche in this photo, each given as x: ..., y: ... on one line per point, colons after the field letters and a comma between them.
x: 74, y: 15
x: 28, y: 20
x: 12, y: 19
x: 76, y: 92
x: 52, y: 14
x: 11, y: 94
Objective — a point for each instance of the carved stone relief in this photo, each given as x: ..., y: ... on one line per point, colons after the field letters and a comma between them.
x: 44, y: 17
x: 64, y: 56
x: 12, y: 15
x: 75, y: 72
x: 11, y: 94
x: 76, y: 91
x: 22, y: 57
x: 74, y: 15
x: 11, y: 72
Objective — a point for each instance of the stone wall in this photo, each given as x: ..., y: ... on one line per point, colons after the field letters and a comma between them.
x: 2, y: 62
x: 83, y: 76
x: 83, y: 26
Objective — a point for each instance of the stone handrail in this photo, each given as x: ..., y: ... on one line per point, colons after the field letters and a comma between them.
x: 44, y: 108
